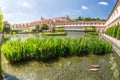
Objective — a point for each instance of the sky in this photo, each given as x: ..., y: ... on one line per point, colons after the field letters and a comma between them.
x: 23, y: 11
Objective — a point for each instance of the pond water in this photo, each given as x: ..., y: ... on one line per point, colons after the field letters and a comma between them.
x: 67, y: 68
x: 26, y: 36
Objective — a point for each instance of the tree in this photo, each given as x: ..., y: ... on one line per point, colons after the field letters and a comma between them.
x: 98, y: 19
x: 1, y: 23
x: 1, y: 35
x: 44, y: 27
x: 79, y: 18
x: 87, y: 19
x: 37, y: 28
x: 6, y: 28
x: 41, y: 27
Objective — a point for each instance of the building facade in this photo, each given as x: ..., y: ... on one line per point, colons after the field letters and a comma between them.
x: 114, y: 17
x: 75, y: 25
x: 50, y: 22
x: 22, y: 26
x: 60, y: 21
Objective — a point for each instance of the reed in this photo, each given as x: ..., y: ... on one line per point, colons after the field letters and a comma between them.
x: 48, y: 48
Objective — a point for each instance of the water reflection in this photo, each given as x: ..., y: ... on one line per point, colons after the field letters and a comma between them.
x: 38, y: 35
x: 24, y: 36
x: 70, y: 68
x: 10, y: 77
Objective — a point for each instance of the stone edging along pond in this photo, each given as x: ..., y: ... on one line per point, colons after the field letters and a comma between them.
x: 48, y: 48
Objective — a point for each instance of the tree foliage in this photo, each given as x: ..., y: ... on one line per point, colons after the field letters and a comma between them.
x: 1, y: 22
x: 6, y: 26
x: 41, y: 27
x: 80, y: 18
x: 1, y: 29
x: 44, y: 27
x: 37, y: 27
x: 91, y: 19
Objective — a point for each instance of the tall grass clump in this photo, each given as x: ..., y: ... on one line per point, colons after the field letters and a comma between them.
x: 48, y: 48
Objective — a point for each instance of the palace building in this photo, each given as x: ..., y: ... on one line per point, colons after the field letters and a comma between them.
x: 60, y: 21
x: 113, y: 19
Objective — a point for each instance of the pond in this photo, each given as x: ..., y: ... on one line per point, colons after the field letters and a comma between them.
x: 26, y: 36
x: 65, y: 68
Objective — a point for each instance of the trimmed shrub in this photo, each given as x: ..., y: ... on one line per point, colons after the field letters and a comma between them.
x: 113, y: 31
x: 118, y: 33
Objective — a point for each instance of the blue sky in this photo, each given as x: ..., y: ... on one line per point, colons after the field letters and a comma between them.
x: 20, y: 11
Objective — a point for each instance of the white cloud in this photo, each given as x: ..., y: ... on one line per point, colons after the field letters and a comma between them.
x: 103, y: 3
x: 24, y: 4
x: 84, y: 7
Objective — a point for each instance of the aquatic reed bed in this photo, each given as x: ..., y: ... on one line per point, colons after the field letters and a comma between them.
x: 48, y: 48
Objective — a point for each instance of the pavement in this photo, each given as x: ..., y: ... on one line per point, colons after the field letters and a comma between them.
x: 115, y: 42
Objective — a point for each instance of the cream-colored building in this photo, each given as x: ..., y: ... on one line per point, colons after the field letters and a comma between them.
x: 114, y: 17
x: 61, y: 21
x: 81, y: 25
x: 22, y: 26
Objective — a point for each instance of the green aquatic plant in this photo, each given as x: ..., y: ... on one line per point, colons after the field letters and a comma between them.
x: 48, y: 48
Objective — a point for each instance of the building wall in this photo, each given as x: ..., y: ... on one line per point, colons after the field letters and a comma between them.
x: 114, y: 17
x: 82, y: 24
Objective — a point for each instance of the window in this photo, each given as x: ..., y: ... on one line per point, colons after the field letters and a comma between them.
x: 118, y: 9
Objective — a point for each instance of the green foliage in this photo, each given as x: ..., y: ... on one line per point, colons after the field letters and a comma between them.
x: 91, y: 19
x: 44, y: 27
x: 90, y: 29
x: 54, y: 33
x: 118, y: 33
x: 37, y: 27
x: 1, y: 22
x: 80, y: 18
x: 61, y: 28
x: 44, y: 49
x: 7, y: 36
x: 113, y: 31
x: 6, y: 28
x: 41, y: 27
x: 15, y: 31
